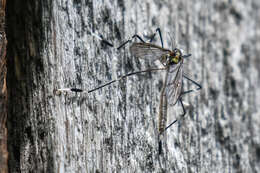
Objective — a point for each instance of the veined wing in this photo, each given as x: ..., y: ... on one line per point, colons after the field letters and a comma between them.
x: 147, y: 50
x: 174, y: 83
x: 162, y: 119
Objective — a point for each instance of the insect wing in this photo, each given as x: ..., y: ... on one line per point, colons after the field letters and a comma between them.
x: 147, y: 50
x: 174, y: 83
x: 163, y: 107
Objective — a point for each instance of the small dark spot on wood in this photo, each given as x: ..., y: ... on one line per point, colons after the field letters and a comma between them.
x: 180, y: 6
x: 28, y: 132
x: 219, y: 134
x: 95, y: 109
x: 90, y: 108
x: 149, y: 161
x: 177, y: 144
x: 236, y: 161
x: 108, y: 74
x: 16, y: 150
x: 226, y: 52
x: 214, y: 93
x: 117, y: 32
x: 109, y: 143
x: 232, y: 148
x: 234, y: 91
x: 39, y: 64
x: 79, y: 79
x: 77, y: 4
x: 160, y: 85
x: 204, y: 131
x: 76, y: 1
x: 258, y: 152
x: 236, y: 14
x: 159, y: 4
x: 121, y: 4
x: 131, y: 99
x: 77, y: 51
x: 154, y: 21
x: 128, y: 66
x: 105, y: 15
x: 41, y: 134
x: 220, y: 6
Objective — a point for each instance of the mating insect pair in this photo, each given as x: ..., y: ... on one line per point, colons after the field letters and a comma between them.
x: 172, y: 90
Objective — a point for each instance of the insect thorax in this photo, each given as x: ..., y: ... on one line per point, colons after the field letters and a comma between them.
x: 175, y: 57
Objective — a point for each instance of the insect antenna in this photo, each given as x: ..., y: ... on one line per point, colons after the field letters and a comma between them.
x: 173, y: 40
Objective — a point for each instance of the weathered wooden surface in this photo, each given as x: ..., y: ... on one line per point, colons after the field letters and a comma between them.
x: 3, y: 92
x: 115, y: 129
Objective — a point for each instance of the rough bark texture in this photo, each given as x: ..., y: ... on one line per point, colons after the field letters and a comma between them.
x: 3, y: 92
x: 115, y: 129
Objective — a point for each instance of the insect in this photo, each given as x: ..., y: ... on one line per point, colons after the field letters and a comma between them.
x: 172, y: 90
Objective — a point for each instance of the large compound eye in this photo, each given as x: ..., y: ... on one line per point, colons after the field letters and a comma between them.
x: 175, y: 58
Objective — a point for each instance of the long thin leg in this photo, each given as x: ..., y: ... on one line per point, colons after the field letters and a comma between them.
x: 180, y: 99
x: 125, y: 76
x: 137, y: 36
x: 110, y: 82
x: 100, y: 37
x: 193, y: 82
x: 185, y: 92
x: 159, y: 31
x: 107, y: 43
x: 183, y: 114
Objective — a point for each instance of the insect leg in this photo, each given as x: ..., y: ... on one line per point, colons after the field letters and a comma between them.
x: 110, y: 82
x: 180, y: 99
x: 100, y: 37
x: 101, y: 86
x: 183, y: 114
x: 61, y: 90
x: 193, y: 82
x: 107, y: 43
x: 137, y: 36
x: 125, y: 76
x: 159, y: 31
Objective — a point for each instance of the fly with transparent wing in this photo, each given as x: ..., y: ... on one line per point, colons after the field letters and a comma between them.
x: 172, y: 61
x: 172, y: 88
